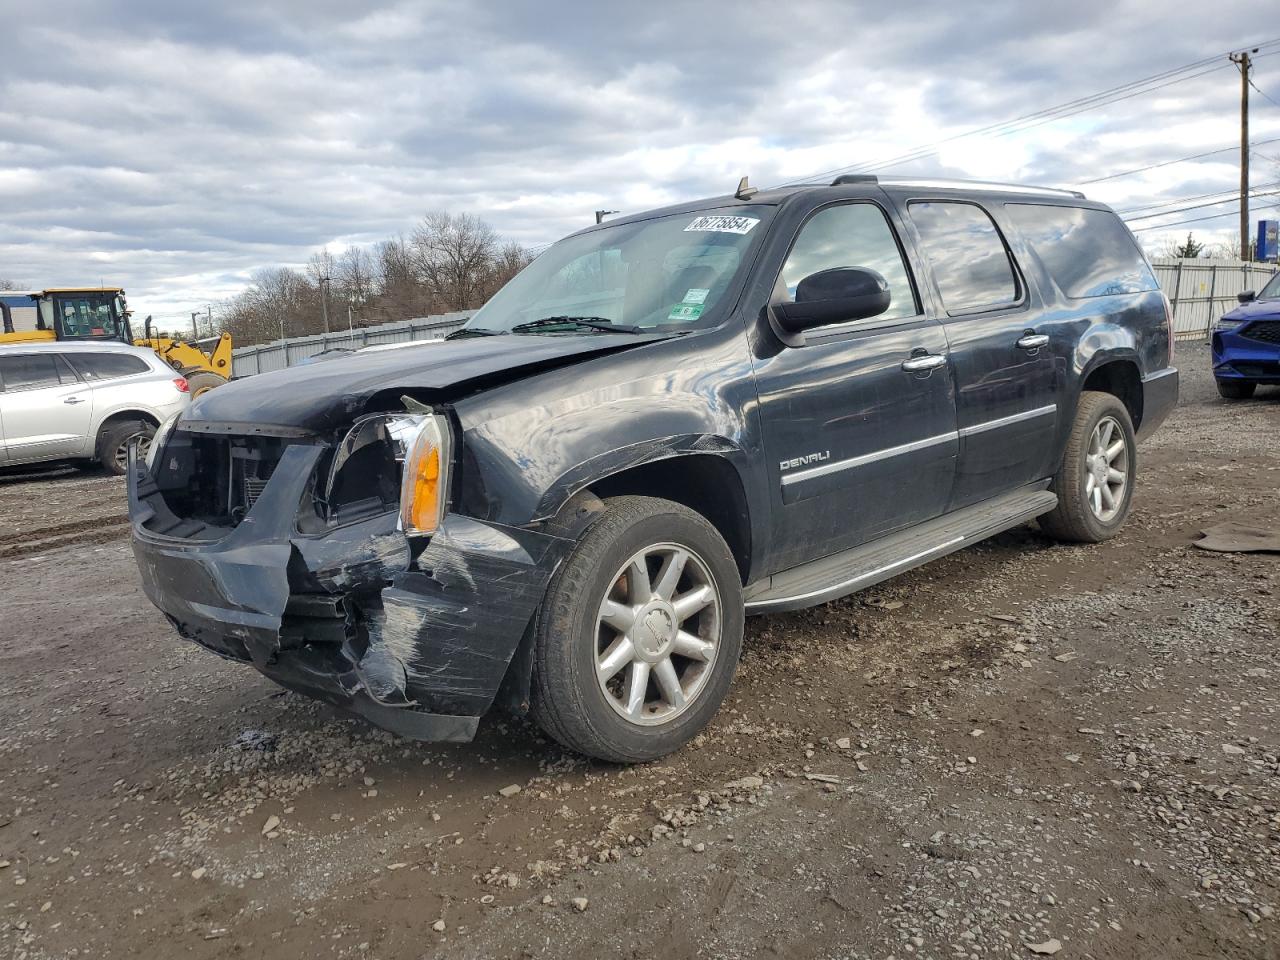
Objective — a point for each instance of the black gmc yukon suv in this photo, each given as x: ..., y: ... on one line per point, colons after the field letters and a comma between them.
x: 746, y: 404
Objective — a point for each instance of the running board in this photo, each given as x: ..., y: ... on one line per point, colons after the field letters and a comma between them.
x: 864, y: 566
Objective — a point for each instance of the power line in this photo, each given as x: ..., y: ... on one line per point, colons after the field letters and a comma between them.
x: 1196, y: 206
x: 1167, y: 163
x: 1263, y: 92
x: 1061, y: 111
x: 1204, y: 196
x: 1212, y: 216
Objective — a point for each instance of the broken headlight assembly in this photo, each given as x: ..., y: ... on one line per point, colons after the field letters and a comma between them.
x: 391, y: 461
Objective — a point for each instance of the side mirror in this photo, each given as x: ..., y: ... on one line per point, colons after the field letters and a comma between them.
x: 1247, y: 296
x: 831, y: 296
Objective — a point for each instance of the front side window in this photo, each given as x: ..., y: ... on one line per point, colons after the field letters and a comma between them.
x: 970, y: 262
x: 852, y: 235
x: 107, y: 366
x: 667, y: 274
x: 30, y: 372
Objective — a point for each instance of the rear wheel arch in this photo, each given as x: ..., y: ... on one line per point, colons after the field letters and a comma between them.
x: 1120, y: 377
x: 119, y: 425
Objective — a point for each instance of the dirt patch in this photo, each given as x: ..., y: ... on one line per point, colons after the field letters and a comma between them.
x: 1041, y: 743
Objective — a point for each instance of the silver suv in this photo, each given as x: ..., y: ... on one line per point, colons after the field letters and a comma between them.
x: 83, y: 402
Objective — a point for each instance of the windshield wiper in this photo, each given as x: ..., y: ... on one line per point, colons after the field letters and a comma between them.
x: 602, y: 324
x: 474, y: 332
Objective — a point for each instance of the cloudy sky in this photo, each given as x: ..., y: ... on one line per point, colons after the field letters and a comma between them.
x: 172, y: 148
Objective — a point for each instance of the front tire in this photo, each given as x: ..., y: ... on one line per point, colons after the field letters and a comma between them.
x: 638, y: 638
x: 1236, y: 389
x: 1095, y: 481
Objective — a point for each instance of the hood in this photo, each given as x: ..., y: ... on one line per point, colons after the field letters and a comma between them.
x: 325, y: 396
x: 1253, y: 310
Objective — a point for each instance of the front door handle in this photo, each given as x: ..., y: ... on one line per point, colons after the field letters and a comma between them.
x: 924, y: 363
x: 74, y: 400
x: 1033, y: 341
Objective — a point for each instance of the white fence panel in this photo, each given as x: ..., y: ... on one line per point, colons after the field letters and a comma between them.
x: 1203, y: 290
x: 279, y: 354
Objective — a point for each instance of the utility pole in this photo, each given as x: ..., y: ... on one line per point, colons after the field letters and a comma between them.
x: 601, y: 214
x: 1244, y: 62
x: 324, y: 301
x: 195, y: 325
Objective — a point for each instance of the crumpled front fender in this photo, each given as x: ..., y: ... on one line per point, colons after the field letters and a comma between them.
x: 416, y: 645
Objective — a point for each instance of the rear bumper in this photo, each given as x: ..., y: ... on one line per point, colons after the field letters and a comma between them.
x: 1159, y: 397
x: 415, y: 641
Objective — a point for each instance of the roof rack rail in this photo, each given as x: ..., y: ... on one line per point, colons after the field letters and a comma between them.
x: 957, y: 184
x: 854, y: 178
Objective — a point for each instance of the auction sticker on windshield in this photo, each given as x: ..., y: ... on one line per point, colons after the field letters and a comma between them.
x: 722, y: 224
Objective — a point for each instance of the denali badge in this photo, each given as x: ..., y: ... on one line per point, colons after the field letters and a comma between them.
x: 804, y: 461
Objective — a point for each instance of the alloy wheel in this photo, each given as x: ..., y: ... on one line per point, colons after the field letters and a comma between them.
x: 1106, y: 469
x: 122, y: 452
x: 657, y: 634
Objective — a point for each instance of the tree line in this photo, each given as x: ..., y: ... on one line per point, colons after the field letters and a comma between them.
x: 449, y: 262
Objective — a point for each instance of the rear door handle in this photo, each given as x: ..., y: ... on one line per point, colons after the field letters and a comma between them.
x: 74, y: 400
x: 921, y: 364
x: 1033, y: 341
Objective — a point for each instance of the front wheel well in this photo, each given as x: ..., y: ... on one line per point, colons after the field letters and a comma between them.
x: 708, y: 485
x: 1121, y: 379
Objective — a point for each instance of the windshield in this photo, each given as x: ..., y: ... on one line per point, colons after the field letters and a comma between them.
x: 89, y: 316
x: 1272, y: 290
x: 665, y: 275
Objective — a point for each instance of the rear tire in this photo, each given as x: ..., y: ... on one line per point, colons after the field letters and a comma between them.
x: 202, y: 381
x: 671, y: 635
x: 1236, y: 389
x: 113, y: 444
x: 1095, y: 480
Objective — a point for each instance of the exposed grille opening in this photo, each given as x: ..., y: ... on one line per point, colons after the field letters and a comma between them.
x: 1267, y: 331
x: 216, y: 479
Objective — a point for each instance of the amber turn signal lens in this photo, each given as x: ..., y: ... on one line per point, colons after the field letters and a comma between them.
x: 422, y: 493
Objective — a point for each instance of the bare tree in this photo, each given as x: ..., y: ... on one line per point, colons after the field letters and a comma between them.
x: 451, y: 262
x: 11, y: 285
x: 454, y: 255
x: 355, y: 274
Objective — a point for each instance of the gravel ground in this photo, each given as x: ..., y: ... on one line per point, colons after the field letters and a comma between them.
x: 1023, y: 749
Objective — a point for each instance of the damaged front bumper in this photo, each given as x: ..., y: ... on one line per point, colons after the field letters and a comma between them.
x: 417, y: 641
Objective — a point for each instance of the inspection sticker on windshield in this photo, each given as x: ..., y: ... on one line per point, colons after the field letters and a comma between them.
x: 722, y: 224
x: 685, y: 311
x: 696, y: 295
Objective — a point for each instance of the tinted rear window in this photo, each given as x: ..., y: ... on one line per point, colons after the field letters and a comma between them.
x: 107, y: 366
x: 968, y: 256
x: 1089, y: 253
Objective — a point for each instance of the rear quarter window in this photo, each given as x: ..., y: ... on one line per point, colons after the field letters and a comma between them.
x: 1089, y: 253
x: 107, y: 366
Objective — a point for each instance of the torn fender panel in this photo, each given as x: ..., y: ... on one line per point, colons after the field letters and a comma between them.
x: 615, y: 461
x: 450, y: 627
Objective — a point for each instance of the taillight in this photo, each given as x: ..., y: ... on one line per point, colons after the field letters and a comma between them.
x: 181, y: 384
x: 1168, y: 322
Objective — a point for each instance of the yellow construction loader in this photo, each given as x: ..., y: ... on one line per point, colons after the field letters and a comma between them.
x: 100, y: 313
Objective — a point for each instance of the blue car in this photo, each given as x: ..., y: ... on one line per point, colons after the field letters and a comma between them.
x: 1246, y: 343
